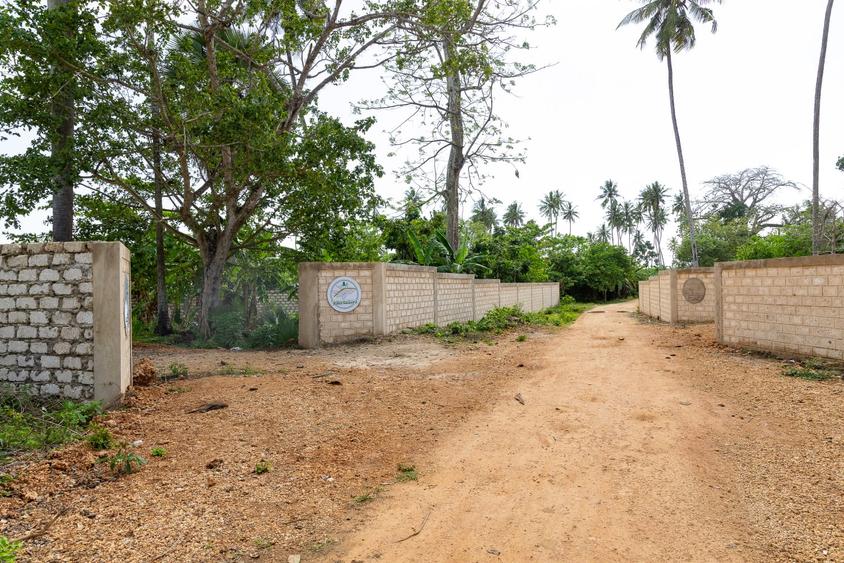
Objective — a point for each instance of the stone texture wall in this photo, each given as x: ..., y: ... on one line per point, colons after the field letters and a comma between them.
x: 397, y: 296
x: 788, y: 306
x: 409, y: 296
x: 65, y: 319
x: 487, y: 296
x: 455, y: 301
x: 46, y: 318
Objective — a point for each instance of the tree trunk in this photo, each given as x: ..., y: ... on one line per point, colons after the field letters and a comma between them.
x: 214, y: 257
x: 686, y: 196
x: 61, y: 152
x: 816, y: 149
x: 162, y: 326
x: 456, y: 158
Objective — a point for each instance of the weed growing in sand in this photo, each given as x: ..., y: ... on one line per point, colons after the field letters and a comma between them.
x: 407, y: 473
x: 9, y: 550
x: 262, y: 467
x: 99, y: 438
x: 5, y: 482
x: 262, y: 543
x: 235, y: 371
x: 158, y: 451
x: 32, y: 423
x: 366, y: 497
x: 123, y: 461
x: 178, y: 370
x: 521, y: 338
x: 809, y: 374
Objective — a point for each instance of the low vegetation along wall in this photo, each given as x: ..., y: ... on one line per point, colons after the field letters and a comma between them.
x: 341, y: 302
x: 65, y: 319
x: 788, y: 305
x: 679, y: 296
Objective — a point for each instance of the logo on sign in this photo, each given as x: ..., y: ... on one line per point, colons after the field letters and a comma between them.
x: 344, y: 295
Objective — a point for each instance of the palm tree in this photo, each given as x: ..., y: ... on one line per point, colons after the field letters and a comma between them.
x: 485, y: 215
x: 609, y: 194
x: 551, y: 206
x: 569, y: 213
x: 514, y: 216
x: 631, y: 217
x: 603, y: 234
x: 652, y: 204
x: 816, y: 170
x: 615, y: 220
x: 671, y: 22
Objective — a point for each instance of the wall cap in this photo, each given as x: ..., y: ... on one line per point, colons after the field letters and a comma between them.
x: 794, y: 262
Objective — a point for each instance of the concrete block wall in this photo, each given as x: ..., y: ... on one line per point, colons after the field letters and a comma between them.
x: 509, y: 294
x: 662, y: 296
x: 397, y: 296
x: 455, y: 298
x: 487, y: 296
x: 65, y: 319
x: 787, y: 306
x: 409, y: 295
x: 277, y: 299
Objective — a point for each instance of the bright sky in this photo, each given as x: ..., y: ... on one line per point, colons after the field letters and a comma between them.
x: 744, y: 95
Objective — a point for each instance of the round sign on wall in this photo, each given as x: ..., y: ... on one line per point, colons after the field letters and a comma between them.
x: 694, y: 291
x: 344, y: 294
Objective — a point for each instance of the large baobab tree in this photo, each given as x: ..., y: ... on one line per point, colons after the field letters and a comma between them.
x: 817, y: 227
x: 671, y: 22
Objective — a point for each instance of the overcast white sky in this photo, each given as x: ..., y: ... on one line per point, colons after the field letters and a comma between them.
x: 744, y: 97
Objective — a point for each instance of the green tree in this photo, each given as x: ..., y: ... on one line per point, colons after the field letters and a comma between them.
x: 672, y: 24
x: 514, y: 216
x: 246, y: 156
x: 42, y: 91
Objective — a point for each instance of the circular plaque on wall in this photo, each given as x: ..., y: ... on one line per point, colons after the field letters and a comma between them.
x: 694, y: 290
x: 344, y: 294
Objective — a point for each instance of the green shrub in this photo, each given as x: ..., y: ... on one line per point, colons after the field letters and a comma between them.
x: 262, y: 467
x: 99, y: 438
x: 158, y: 451
x: 277, y: 329
x: 227, y: 328
x: 9, y: 550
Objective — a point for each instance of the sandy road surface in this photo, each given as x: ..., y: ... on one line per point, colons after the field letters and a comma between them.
x: 610, y: 458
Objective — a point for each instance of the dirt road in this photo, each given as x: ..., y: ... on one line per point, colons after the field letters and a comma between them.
x: 612, y: 457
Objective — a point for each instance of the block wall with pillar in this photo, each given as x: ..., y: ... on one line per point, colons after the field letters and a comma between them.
x: 343, y: 302
x: 66, y: 319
